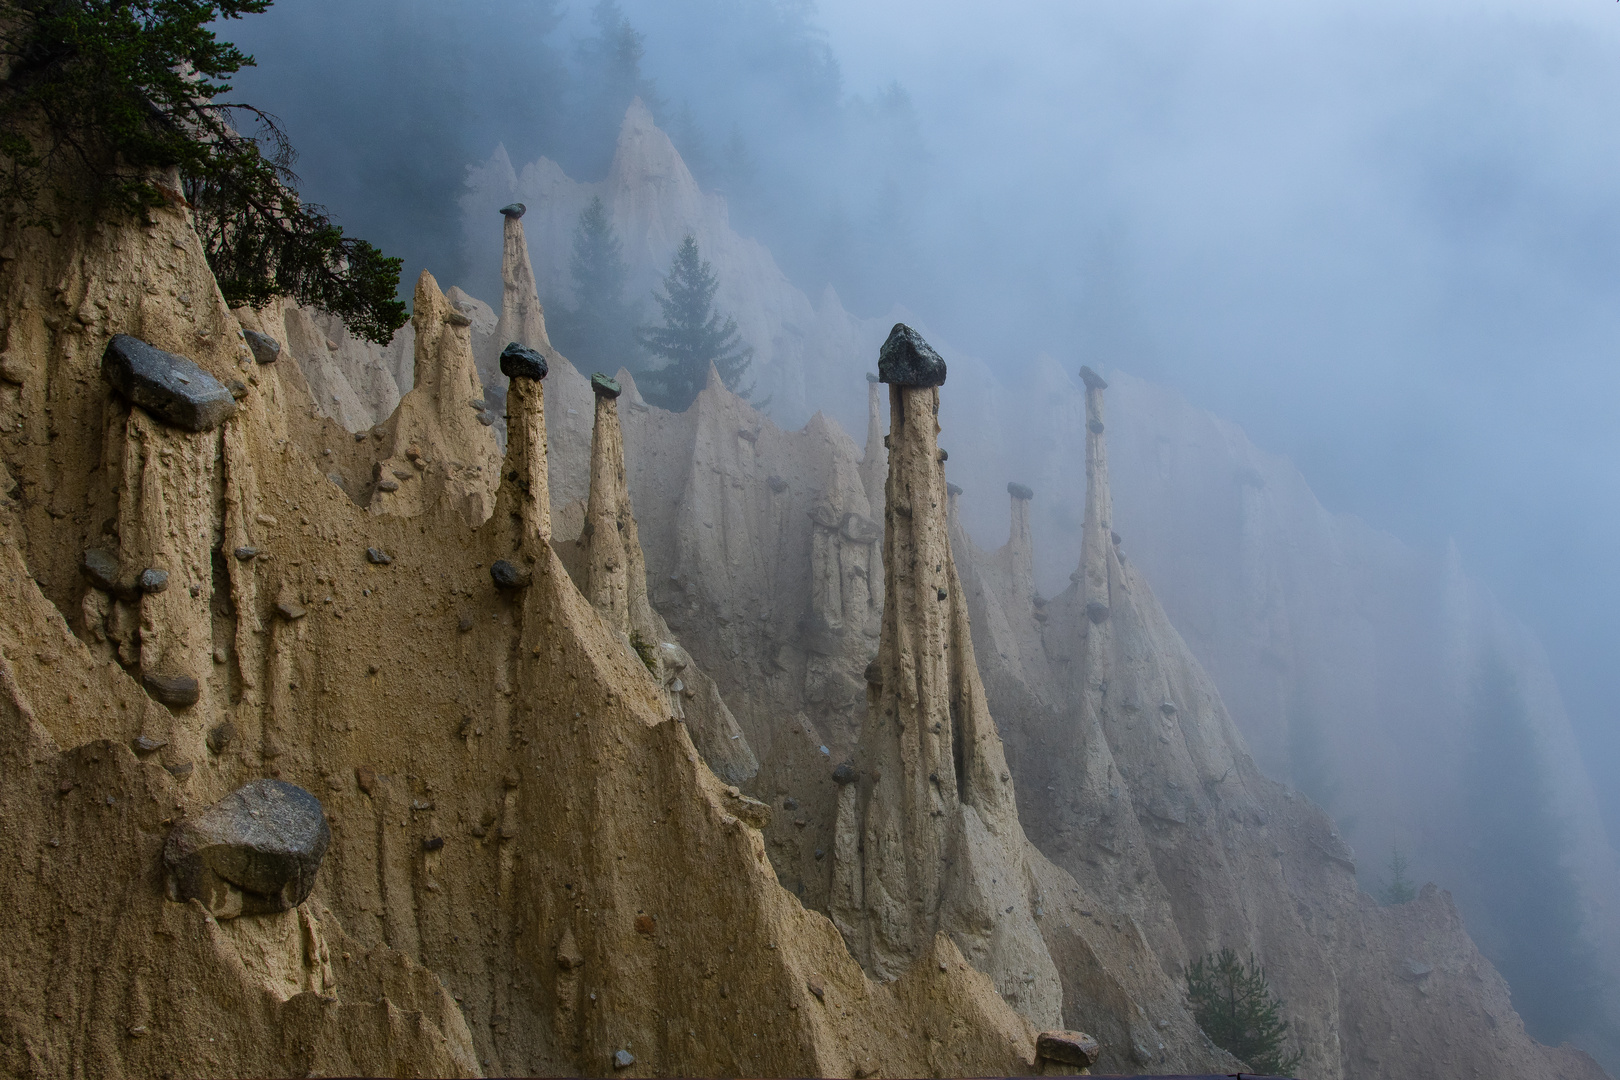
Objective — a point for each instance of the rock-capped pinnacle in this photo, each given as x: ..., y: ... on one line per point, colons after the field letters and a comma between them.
x: 522, y: 319
x: 514, y: 210
x: 524, y: 495
x: 907, y: 360
x: 1094, y: 543
x: 929, y: 840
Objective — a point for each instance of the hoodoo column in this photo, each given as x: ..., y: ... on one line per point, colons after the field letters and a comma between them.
x: 1099, y: 505
x: 930, y: 841
x: 524, y: 494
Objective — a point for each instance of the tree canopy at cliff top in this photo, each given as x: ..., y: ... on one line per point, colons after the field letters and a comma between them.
x: 100, y: 98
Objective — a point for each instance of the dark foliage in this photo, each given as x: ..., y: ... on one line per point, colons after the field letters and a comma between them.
x: 1399, y: 889
x: 1234, y: 1005
x: 693, y: 336
x: 598, y: 333
x: 101, y: 95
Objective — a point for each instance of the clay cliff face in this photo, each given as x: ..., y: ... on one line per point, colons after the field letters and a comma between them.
x: 530, y: 870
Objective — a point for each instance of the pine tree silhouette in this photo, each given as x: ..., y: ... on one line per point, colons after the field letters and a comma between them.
x: 1234, y: 1005
x: 693, y: 335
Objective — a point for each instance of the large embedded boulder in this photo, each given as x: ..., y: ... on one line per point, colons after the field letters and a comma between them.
x: 254, y: 852
x: 170, y: 387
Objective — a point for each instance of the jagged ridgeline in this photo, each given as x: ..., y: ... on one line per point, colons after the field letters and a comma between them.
x: 641, y: 744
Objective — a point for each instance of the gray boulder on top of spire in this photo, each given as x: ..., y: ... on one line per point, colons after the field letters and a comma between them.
x: 518, y: 362
x: 907, y: 360
x: 1092, y: 380
x: 514, y: 210
x: 1020, y: 491
x: 602, y: 386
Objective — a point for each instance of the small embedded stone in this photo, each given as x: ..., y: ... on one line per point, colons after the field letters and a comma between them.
x: 874, y: 673
x: 646, y: 924
x: 944, y: 456
x: 844, y: 775
x: 748, y: 435
x: 623, y: 1059
x: 456, y: 318
x: 289, y: 610
x: 465, y: 624
x: 180, y: 769
x: 365, y: 778
x: 219, y: 737
x: 265, y: 349
x: 238, y: 389
x: 813, y: 984
x: 1020, y: 491
x: 170, y: 387
x: 1092, y: 380
x: 602, y: 386
x: 514, y: 210
x: 145, y: 744
x: 776, y: 483
x: 175, y: 691
x: 1097, y: 611
x: 433, y: 843
x: 101, y: 568
x: 508, y: 575
x: 941, y: 593
x: 254, y: 852
x: 907, y: 360
x: 1095, y: 427
x: 378, y: 557
x: 245, y: 553
x: 1067, y: 1048
x: 518, y: 362
x: 387, y: 485
x: 154, y: 580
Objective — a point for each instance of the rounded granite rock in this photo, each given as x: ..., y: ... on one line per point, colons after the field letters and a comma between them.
x: 907, y: 360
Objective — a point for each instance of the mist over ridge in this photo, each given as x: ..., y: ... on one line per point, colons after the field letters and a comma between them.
x: 1382, y: 239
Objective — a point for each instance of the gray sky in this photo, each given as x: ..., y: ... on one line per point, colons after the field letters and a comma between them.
x: 1383, y: 236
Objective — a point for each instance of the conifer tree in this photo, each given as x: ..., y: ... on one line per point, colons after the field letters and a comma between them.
x: 1399, y: 888
x: 599, y: 332
x: 1233, y: 1003
x: 693, y: 335
x: 100, y: 97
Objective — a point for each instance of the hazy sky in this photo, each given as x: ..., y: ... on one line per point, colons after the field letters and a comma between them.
x: 1383, y: 236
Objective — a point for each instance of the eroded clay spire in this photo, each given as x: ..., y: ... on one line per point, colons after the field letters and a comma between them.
x: 1095, y: 537
x: 1020, y: 550
x: 524, y: 497
x: 522, y: 320
x: 929, y: 839
x: 437, y: 451
x: 616, y: 572
x: 875, y: 461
